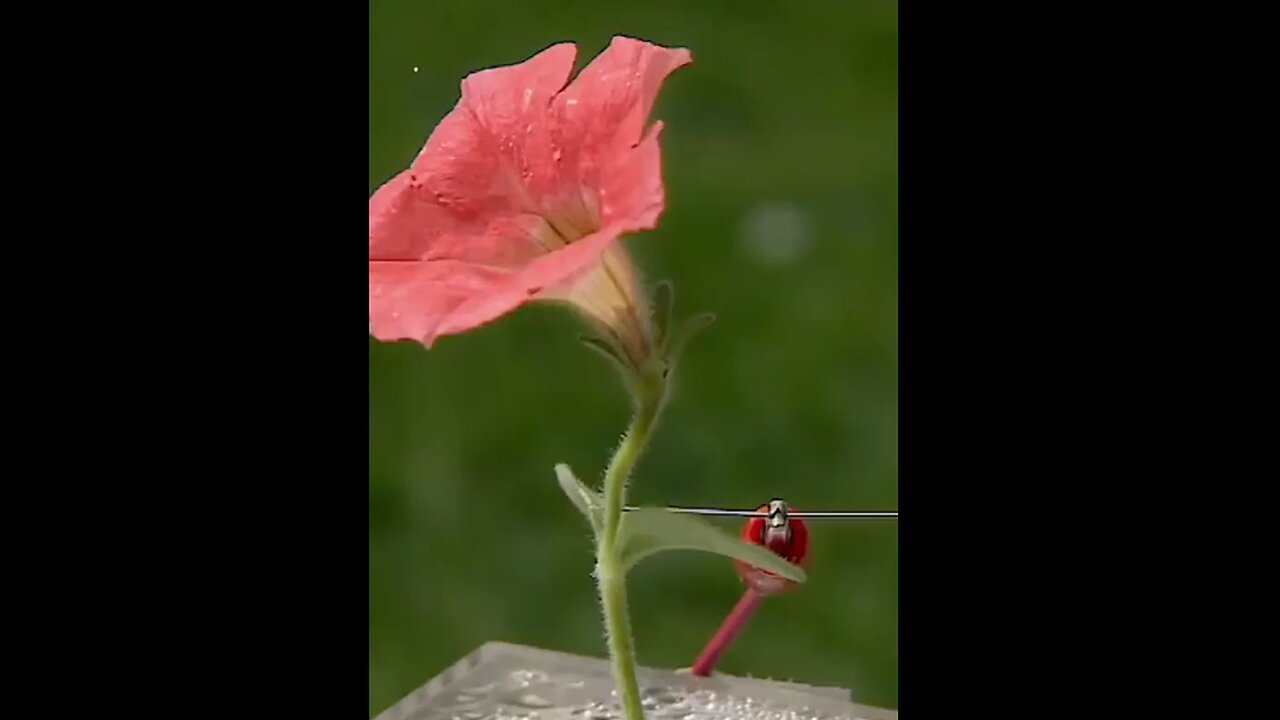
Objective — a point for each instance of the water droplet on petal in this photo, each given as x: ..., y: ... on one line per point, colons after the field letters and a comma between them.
x: 556, y: 156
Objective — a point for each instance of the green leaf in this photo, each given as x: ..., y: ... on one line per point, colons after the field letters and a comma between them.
x: 646, y: 531
x: 687, y: 329
x: 588, y: 502
x: 608, y: 350
x: 663, y: 298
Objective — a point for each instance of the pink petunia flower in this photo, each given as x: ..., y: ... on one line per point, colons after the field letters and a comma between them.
x: 521, y: 194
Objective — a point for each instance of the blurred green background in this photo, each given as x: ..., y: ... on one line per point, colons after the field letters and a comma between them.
x: 780, y: 159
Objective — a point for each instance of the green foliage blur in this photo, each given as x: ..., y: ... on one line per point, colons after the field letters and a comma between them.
x: 780, y: 159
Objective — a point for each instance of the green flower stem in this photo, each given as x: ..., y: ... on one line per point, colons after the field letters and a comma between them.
x: 610, y: 574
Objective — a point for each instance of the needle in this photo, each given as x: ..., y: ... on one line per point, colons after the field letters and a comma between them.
x: 825, y: 515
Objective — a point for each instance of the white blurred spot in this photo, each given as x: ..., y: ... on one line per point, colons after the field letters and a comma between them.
x: 415, y: 68
x: 775, y: 233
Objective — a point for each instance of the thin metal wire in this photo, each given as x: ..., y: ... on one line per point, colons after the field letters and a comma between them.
x: 823, y: 515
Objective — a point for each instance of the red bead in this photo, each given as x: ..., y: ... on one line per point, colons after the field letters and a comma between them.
x: 794, y: 550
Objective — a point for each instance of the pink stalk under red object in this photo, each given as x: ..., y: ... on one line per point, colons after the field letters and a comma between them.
x: 788, y: 537
x: 775, y: 526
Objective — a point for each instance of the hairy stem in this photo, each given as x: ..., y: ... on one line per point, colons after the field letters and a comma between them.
x: 610, y: 574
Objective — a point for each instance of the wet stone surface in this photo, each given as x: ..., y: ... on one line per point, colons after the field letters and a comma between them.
x: 509, y: 682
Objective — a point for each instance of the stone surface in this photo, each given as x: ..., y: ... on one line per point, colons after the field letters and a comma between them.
x: 500, y: 681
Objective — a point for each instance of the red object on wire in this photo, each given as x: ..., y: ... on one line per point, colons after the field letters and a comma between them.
x: 788, y: 538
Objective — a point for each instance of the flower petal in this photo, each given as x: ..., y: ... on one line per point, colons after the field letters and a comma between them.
x: 409, y: 300
x: 633, y: 194
x: 478, y: 225
x: 513, y: 105
x: 609, y: 102
x: 544, y: 277
x: 600, y: 119
x: 458, y: 221
x: 469, y: 174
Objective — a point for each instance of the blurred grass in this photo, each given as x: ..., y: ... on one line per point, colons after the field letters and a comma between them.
x: 792, y: 393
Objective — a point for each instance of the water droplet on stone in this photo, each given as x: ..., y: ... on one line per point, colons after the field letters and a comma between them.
x: 528, y: 676
x: 533, y: 701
